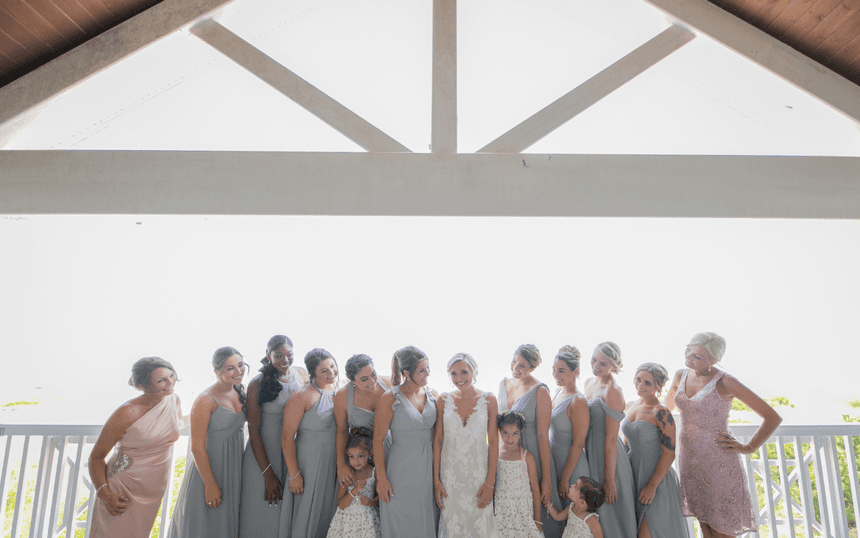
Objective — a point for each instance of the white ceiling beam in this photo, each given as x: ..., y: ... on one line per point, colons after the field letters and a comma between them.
x: 766, y: 51
x: 590, y: 92
x: 280, y: 183
x: 443, y: 137
x: 296, y: 88
x: 20, y: 99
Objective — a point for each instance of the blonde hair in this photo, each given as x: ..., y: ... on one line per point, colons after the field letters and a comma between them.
x: 468, y: 359
x: 712, y: 342
x: 530, y: 353
x: 611, y: 351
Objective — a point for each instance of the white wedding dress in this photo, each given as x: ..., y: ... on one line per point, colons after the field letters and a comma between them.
x: 463, y: 470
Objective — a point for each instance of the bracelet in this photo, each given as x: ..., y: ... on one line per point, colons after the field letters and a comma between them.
x: 297, y: 475
x: 489, y: 486
x: 353, y: 496
x: 266, y: 469
x: 100, y: 488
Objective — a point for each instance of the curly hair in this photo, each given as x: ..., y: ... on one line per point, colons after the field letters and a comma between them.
x: 361, y: 437
x: 511, y: 417
x: 592, y: 493
x: 270, y: 387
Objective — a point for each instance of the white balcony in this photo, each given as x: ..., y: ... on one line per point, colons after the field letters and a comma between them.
x: 46, y: 465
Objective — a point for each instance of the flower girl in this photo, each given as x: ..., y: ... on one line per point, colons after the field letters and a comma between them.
x: 357, y: 507
x: 586, y: 496
x: 517, y: 493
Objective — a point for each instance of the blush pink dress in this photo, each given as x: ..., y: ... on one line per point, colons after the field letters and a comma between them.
x: 713, y: 485
x: 140, y: 470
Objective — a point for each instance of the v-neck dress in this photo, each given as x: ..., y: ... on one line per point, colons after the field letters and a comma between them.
x: 257, y: 516
x: 713, y: 484
x: 664, y: 513
x: 618, y: 520
x: 412, y: 512
x: 464, y: 461
x: 560, y: 441
x: 314, y: 508
x: 225, y: 438
x: 358, y: 417
x: 527, y: 406
x: 140, y: 470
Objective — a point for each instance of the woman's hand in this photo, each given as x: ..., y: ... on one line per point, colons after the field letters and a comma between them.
x: 546, y: 491
x: 727, y: 443
x: 485, y: 496
x: 274, y: 488
x: 439, y: 492
x: 611, y: 493
x: 115, y: 504
x: 383, y: 488
x: 647, y: 494
x: 213, y: 495
x: 563, y: 487
x: 297, y: 485
x: 345, y: 475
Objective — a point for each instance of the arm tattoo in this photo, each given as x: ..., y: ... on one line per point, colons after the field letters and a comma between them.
x: 666, y: 441
x: 661, y: 416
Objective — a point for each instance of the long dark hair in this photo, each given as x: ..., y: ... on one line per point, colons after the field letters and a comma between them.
x: 270, y: 386
x: 219, y: 358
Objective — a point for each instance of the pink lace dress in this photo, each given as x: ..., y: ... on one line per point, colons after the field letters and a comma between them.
x: 713, y: 486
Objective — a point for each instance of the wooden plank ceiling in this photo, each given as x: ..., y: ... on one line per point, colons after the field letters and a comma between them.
x: 33, y: 32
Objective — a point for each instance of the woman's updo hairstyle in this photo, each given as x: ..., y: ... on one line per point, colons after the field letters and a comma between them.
x: 362, y: 437
x: 270, y: 386
x: 219, y: 358
x: 468, y: 359
x: 714, y: 343
x: 405, y: 360
x: 612, y: 352
x: 592, y: 493
x: 570, y: 355
x: 355, y: 363
x: 142, y: 370
x: 314, y: 358
x: 657, y: 370
x: 530, y: 353
x: 511, y: 417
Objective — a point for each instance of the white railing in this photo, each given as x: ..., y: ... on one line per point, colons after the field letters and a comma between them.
x: 801, y: 481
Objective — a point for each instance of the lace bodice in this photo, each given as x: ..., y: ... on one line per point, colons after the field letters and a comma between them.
x: 577, y: 528
x: 514, y: 509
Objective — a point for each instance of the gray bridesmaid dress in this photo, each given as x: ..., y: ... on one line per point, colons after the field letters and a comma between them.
x: 617, y: 520
x: 315, y: 451
x: 664, y: 513
x: 527, y: 405
x: 191, y: 517
x: 357, y: 417
x: 412, y: 512
x: 560, y: 441
x: 257, y: 517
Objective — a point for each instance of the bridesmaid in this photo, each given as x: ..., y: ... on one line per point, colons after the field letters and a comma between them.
x: 607, y: 458
x: 405, y: 481
x: 464, y: 462
x: 650, y: 432
x: 129, y: 494
x: 308, y: 441
x: 569, y: 424
x: 713, y: 486
x: 263, y: 469
x: 526, y: 395
x: 208, y: 502
x: 355, y: 406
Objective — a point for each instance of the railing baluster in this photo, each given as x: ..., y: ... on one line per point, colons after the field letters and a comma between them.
x: 805, y: 487
x: 22, y: 479
x: 822, y: 486
x: 748, y: 468
x: 58, y: 483
x: 851, y: 460
x: 75, y: 475
x: 837, y: 494
x: 37, y: 513
x: 3, y: 483
x: 767, y: 486
x: 786, y: 486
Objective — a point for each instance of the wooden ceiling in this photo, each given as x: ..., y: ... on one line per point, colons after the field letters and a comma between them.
x: 33, y: 32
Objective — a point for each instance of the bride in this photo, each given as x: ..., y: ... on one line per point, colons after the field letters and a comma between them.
x: 464, y: 464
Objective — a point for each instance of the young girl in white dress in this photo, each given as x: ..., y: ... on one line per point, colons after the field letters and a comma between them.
x: 586, y: 496
x: 517, y: 492
x: 357, y: 506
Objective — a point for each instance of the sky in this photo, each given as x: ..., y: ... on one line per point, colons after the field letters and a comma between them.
x: 85, y: 296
